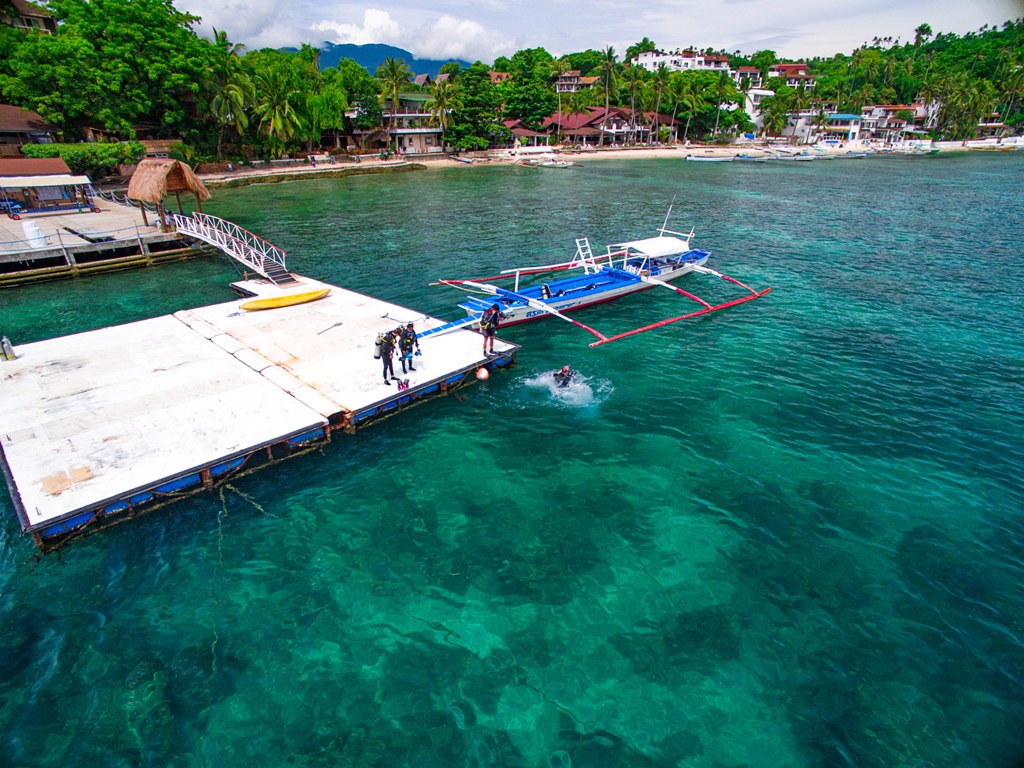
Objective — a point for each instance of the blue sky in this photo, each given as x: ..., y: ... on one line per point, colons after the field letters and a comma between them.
x: 485, y: 29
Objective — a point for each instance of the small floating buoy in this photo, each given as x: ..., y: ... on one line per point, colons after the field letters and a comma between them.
x: 482, y: 374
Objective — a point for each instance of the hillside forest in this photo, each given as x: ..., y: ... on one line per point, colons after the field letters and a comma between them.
x: 126, y: 69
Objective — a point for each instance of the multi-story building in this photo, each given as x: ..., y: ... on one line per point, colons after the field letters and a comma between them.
x: 572, y: 81
x: 681, y: 61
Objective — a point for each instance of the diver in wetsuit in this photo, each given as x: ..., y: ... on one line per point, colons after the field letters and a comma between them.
x: 564, y: 376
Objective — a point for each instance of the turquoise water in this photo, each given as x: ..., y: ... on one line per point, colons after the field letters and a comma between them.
x: 786, y: 535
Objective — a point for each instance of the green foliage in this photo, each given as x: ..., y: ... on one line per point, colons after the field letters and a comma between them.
x: 585, y: 61
x: 91, y: 159
x: 476, y: 125
x: 637, y: 48
x: 112, y: 64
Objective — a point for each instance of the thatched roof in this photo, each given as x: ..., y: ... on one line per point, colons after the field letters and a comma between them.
x: 157, y: 177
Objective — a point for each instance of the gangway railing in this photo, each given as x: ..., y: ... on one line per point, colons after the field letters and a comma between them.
x: 240, y: 244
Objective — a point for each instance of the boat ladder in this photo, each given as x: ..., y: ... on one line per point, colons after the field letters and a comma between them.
x: 585, y: 256
x: 240, y: 244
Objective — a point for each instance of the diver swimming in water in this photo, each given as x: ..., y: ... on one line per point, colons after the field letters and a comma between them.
x: 564, y: 376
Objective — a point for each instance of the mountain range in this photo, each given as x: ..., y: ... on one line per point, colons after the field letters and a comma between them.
x: 372, y: 56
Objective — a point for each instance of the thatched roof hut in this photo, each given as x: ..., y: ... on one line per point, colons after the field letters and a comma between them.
x: 157, y: 177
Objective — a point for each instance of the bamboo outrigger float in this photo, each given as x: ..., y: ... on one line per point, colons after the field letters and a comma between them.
x: 626, y: 268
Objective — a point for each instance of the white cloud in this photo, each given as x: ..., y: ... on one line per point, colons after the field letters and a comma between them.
x: 451, y: 38
x: 377, y: 27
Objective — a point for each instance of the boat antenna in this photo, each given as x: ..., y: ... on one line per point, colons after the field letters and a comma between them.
x: 667, y: 215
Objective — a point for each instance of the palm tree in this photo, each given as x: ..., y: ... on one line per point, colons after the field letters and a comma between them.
x: 230, y: 88
x: 558, y: 68
x: 580, y: 103
x: 634, y: 77
x: 692, y: 101
x: 820, y: 123
x: 278, y: 119
x: 607, y: 69
x: 393, y: 75
x: 721, y: 87
x: 921, y: 35
x: 444, y: 99
x: 661, y: 77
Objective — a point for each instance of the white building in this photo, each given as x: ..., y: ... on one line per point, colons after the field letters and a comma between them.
x: 681, y: 61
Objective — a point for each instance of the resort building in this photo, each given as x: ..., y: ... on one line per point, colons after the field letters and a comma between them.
x: 795, y: 75
x: 498, y: 77
x: 525, y: 136
x: 409, y: 127
x: 19, y: 127
x: 572, y: 82
x: 22, y: 15
x: 681, y: 61
x: 806, y: 128
x: 751, y: 74
x: 614, y: 126
x: 752, y: 105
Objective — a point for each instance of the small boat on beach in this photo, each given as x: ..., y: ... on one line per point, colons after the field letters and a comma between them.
x: 710, y: 158
x: 626, y: 267
x: 458, y: 159
x: 751, y: 159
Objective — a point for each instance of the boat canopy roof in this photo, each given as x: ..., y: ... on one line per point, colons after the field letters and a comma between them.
x: 655, y: 247
x: 56, y: 180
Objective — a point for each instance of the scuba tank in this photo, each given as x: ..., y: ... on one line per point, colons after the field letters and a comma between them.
x: 376, y: 346
x: 8, y: 349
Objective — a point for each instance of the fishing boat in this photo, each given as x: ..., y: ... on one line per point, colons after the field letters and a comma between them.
x: 626, y: 267
x: 283, y: 299
x: 751, y: 159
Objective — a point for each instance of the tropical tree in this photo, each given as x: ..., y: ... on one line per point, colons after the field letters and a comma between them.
x: 692, y: 100
x: 558, y: 68
x: 444, y: 100
x: 722, y: 88
x: 326, y: 107
x: 634, y: 78
x: 229, y: 87
x: 661, y: 78
x: 393, y: 77
x: 921, y: 35
x: 278, y: 119
x: 608, y: 74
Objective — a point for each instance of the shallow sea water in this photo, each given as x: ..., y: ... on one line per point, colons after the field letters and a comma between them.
x: 789, y: 534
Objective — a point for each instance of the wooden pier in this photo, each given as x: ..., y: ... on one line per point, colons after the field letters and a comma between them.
x: 99, y: 426
x: 73, y: 244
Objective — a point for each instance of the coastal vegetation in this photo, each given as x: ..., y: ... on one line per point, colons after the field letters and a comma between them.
x: 120, y: 69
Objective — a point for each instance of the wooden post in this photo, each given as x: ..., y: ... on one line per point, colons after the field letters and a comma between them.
x: 199, y: 203
x: 177, y: 196
x: 163, y: 217
x: 142, y: 207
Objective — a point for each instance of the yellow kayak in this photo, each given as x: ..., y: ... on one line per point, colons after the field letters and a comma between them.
x: 284, y: 300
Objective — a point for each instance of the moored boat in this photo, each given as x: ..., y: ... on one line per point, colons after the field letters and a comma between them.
x: 626, y: 267
x: 709, y: 158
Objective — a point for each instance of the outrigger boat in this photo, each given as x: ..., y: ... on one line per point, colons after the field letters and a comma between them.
x: 626, y: 268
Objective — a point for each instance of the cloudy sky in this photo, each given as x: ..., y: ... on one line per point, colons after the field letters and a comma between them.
x: 485, y: 29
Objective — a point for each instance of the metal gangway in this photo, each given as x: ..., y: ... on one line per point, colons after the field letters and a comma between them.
x: 240, y: 244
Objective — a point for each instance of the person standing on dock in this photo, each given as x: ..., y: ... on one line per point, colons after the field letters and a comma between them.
x: 489, y: 325
x: 406, y: 341
x: 387, y: 351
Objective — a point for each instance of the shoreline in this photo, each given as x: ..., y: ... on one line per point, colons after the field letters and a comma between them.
x: 248, y: 175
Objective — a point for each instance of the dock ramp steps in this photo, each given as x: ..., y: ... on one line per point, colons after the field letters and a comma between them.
x: 240, y: 244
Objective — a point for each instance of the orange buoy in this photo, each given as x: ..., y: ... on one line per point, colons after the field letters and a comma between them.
x: 482, y: 374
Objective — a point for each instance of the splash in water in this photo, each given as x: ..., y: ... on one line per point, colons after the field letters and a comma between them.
x: 580, y: 392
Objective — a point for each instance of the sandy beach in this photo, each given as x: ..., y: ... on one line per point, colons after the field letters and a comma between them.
x: 244, y: 175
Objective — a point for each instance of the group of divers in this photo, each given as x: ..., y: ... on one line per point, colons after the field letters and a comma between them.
x: 404, y: 339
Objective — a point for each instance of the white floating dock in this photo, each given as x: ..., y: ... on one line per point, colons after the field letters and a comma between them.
x: 97, y: 425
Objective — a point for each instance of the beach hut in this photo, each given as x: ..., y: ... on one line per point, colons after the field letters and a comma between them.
x: 157, y: 177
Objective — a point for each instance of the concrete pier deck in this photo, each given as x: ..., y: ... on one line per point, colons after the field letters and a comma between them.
x: 99, y: 425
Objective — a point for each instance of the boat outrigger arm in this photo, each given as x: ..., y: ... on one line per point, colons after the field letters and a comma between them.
x: 503, y: 293
x: 706, y: 310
